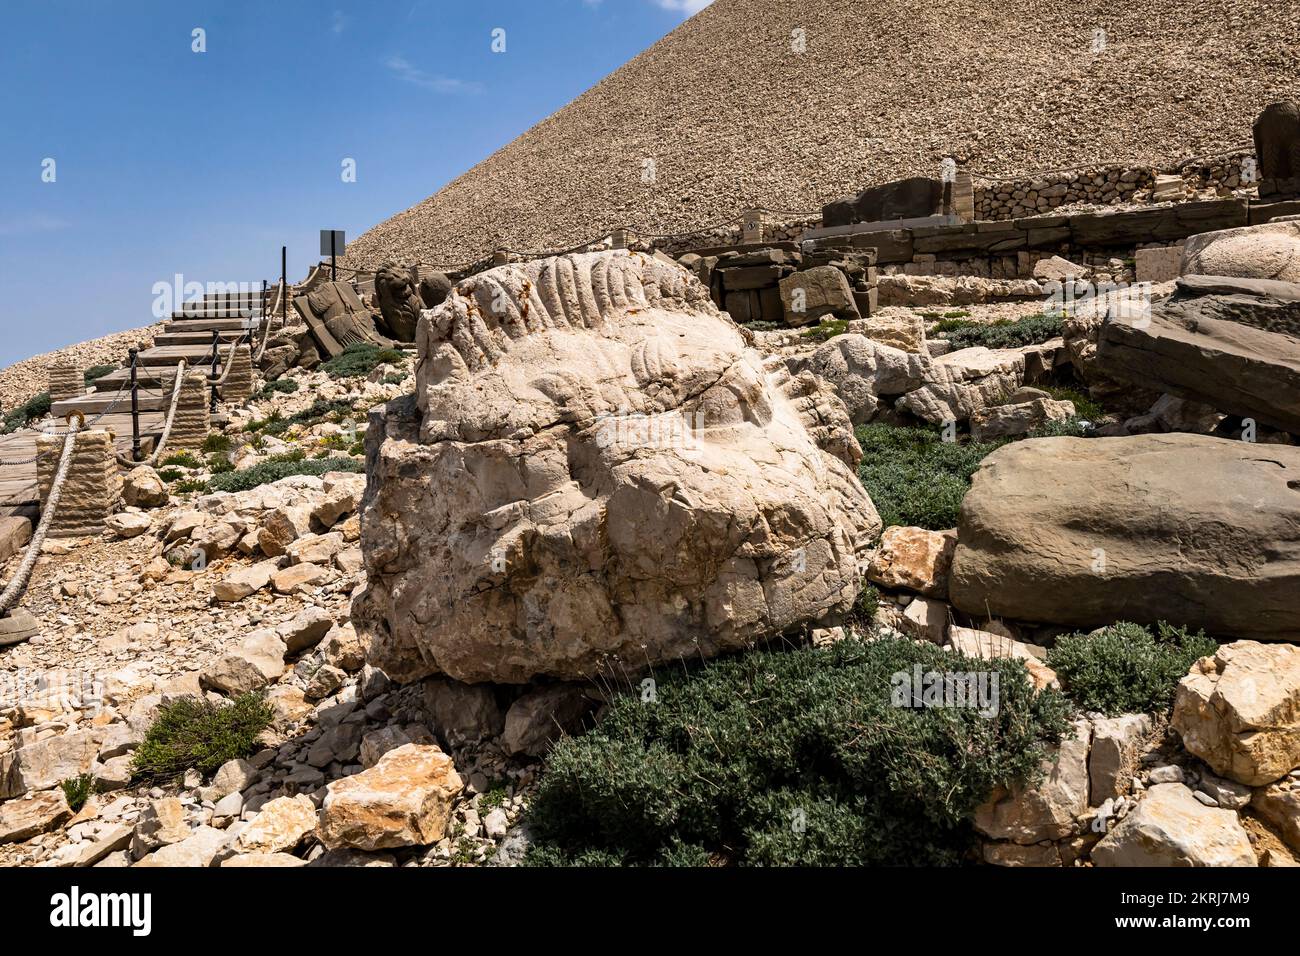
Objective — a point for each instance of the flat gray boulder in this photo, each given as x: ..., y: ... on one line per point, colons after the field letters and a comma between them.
x: 1183, y: 528
x: 1232, y: 344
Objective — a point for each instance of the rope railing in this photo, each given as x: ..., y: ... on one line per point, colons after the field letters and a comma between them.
x: 17, y: 585
x: 153, y: 459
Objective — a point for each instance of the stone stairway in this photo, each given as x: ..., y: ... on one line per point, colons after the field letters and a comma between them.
x: 188, y: 335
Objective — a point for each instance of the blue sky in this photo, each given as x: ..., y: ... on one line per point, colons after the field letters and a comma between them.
x: 171, y: 161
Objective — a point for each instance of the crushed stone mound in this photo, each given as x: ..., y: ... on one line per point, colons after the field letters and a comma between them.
x: 732, y: 117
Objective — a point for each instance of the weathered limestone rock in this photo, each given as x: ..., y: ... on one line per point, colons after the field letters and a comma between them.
x: 127, y: 524
x: 403, y: 800
x: 1013, y: 854
x: 162, y: 823
x: 810, y: 295
x: 1170, y: 827
x: 1179, y: 528
x: 23, y: 819
x: 315, y: 548
x: 926, y: 620
x: 457, y: 711
x: 197, y: 850
x: 1278, y: 803
x: 1058, y: 269
x: 279, y: 826
x: 906, y: 333
x: 1048, y: 811
x: 305, y: 630
x: 282, y: 527
x: 542, y: 716
x: 590, y: 433
x: 1231, y: 343
x: 1115, y: 744
x: 256, y: 662
x: 297, y: 578
x: 1017, y: 418
x: 246, y: 860
x: 986, y: 645
x: 913, y: 559
x: 1239, y: 711
x: 15, y: 532
x: 92, y: 488
x: 963, y: 381
x: 44, y: 764
x: 193, y: 418
x: 243, y: 581
x: 860, y: 369
x: 1270, y: 250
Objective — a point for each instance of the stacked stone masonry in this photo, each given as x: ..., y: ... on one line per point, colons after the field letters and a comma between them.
x: 66, y: 381
x: 91, y: 489
x: 238, y: 386
x: 192, y: 413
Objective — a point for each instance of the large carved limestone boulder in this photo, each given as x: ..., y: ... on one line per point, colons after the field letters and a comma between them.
x: 596, y: 471
x: 1270, y: 250
x: 1180, y: 528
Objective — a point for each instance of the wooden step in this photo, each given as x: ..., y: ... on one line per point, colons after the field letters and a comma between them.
x: 171, y: 354
x: 151, y: 400
x: 186, y: 337
x: 205, y: 325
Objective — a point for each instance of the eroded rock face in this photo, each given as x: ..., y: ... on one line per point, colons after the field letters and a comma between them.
x: 1180, y: 528
x: 1233, y: 344
x: 1239, y: 711
x: 595, y: 466
x: 1270, y: 250
x: 1171, y: 828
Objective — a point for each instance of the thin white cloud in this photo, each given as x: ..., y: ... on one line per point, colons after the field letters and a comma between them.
x: 688, y: 7
x: 337, y: 22
x: 407, y: 72
x: 29, y: 225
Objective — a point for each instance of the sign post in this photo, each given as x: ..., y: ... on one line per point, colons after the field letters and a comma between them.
x: 332, y: 244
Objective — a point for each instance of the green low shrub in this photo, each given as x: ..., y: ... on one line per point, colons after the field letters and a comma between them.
x: 361, y: 359
x: 1126, y: 668
x: 1004, y: 334
x: 916, y: 478
x: 33, y: 409
x: 77, y: 790
x: 170, y: 474
x: 182, y: 459
x: 321, y: 410
x: 273, y: 470
x: 793, y: 757
x: 217, y: 443
x: 96, y: 372
x: 826, y: 330
x: 282, y: 386
x: 195, y: 733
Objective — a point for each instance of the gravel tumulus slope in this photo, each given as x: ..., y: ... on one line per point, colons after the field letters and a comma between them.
x: 732, y: 117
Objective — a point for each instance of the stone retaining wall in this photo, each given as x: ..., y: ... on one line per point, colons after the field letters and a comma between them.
x: 1103, y: 185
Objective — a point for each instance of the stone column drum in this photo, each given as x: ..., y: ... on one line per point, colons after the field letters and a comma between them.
x: 66, y: 380
x: 192, y: 415
x: 92, y: 488
x: 238, y: 387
